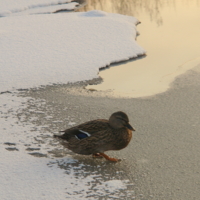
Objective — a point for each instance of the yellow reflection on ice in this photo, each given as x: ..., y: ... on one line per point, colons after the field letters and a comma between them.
x: 170, y: 33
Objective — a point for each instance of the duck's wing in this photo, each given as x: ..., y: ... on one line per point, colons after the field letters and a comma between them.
x: 99, y: 142
x: 92, y: 127
x: 85, y: 130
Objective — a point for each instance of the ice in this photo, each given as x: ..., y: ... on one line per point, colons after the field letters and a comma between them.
x: 113, y: 185
x: 30, y: 169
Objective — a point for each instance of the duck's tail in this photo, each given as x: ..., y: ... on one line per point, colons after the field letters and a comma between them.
x: 57, y: 136
x: 63, y: 137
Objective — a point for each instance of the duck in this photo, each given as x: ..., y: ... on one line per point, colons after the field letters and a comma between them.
x: 97, y: 136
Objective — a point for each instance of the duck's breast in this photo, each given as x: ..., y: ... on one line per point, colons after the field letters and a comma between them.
x: 123, y: 137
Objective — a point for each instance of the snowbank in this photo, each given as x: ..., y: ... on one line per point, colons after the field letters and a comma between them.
x: 60, y: 48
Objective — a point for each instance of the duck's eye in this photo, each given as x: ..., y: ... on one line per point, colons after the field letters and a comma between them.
x: 123, y: 120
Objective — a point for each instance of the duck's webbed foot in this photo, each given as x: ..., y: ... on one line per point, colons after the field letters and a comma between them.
x: 109, y: 158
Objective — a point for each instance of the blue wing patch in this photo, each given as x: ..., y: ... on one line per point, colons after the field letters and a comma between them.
x: 82, y: 134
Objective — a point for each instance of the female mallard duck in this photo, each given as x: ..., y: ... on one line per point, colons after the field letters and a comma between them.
x: 97, y: 136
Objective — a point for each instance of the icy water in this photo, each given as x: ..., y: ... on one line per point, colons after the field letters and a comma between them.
x: 169, y: 32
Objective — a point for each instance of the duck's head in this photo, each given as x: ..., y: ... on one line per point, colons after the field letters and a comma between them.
x: 120, y: 120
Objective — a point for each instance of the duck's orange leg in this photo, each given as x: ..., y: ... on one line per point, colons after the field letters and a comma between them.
x: 97, y: 155
x: 109, y: 158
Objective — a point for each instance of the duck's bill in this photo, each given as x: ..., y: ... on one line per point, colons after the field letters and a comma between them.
x: 130, y: 127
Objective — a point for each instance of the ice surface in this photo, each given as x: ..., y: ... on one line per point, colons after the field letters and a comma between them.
x: 29, y: 169
x: 61, y: 48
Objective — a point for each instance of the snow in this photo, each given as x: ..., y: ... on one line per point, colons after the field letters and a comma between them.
x: 40, y: 49
x: 47, y: 9
x: 61, y: 48
x: 9, y: 7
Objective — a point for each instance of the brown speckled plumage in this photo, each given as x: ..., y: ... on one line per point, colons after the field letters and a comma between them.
x: 103, y: 135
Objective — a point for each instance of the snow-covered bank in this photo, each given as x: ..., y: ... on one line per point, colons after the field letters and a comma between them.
x: 60, y: 48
